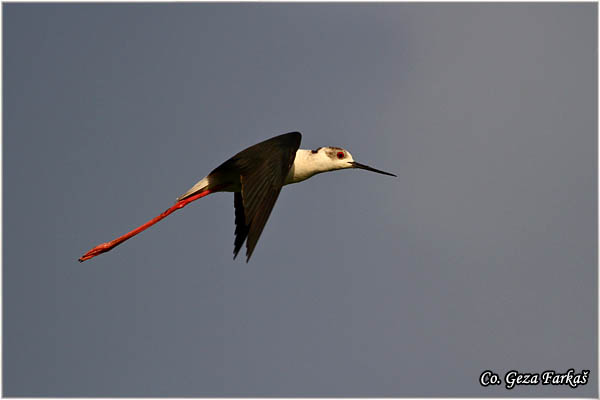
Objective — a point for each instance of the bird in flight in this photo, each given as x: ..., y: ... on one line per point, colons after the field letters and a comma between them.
x: 255, y: 176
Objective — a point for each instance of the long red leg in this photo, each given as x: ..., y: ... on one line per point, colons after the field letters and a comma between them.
x: 104, y: 247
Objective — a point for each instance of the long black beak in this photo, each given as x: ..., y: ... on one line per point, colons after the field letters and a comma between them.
x: 363, y: 166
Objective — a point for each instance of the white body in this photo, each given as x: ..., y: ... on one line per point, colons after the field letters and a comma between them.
x: 306, y: 164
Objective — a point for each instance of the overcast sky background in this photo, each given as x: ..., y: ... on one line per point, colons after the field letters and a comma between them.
x: 480, y: 255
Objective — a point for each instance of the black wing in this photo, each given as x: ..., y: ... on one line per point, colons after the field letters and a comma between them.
x: 241, y: 229
x: 263, y: 169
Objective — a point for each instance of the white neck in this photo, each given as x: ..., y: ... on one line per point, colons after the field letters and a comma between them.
x: 307, y: 164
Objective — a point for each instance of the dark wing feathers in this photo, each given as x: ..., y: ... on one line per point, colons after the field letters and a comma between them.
x: 241, y: 229
x: 261, y: 190
x: 263, y: 169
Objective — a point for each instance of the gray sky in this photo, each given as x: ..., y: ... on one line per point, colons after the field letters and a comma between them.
x: 481, y: 255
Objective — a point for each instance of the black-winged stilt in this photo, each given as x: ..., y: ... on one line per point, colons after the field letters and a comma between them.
x: 255, y: 176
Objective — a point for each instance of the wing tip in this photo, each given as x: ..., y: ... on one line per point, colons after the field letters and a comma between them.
x: 235, y: 254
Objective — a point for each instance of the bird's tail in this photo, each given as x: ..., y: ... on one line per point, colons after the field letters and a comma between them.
x: 181, y: 202
x: 201, y: 186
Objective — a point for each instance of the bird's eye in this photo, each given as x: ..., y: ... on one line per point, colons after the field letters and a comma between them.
x: 340, y: 155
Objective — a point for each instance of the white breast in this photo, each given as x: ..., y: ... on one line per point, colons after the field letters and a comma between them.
x: 306, y: 164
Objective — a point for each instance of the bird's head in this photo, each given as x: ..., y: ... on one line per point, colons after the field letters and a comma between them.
x: 333, y: 158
